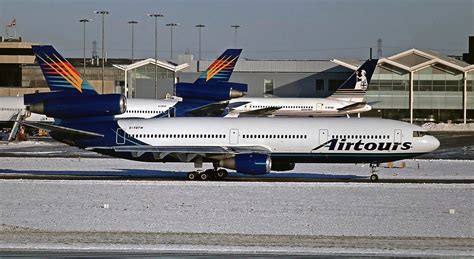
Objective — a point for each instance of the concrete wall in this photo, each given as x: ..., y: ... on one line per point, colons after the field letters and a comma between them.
x: 20, y: 91
x: 284, y: 84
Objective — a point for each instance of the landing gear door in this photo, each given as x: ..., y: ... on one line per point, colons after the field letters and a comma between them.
x: 120, y: 137
x: 397, y: 136
x: 323, y: 136
x: 319, y: 107
x: 234, y: 136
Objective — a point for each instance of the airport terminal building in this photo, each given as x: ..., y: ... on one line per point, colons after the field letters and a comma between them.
x: 414, y: 85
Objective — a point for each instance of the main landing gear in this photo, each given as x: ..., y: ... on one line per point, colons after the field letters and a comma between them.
x: 209, y: 174
x: 374, y: 177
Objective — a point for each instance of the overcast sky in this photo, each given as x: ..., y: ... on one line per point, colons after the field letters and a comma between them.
x: 271, y: 29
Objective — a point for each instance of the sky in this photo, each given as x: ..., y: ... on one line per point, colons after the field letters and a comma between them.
x: 270, y: 29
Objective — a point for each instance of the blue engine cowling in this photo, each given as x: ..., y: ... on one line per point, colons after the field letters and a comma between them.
x: 81, y: 106
x: 218, y: 91
x: 253, y: 164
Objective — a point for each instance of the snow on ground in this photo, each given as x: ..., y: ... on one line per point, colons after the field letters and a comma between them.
x: 248, y: 208
x: 431, y: 126
x: 405, y: 169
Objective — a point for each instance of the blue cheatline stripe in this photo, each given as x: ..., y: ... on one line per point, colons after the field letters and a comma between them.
x: 348, y: 154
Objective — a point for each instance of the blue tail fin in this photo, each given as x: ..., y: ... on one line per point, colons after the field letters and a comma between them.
x: 221, y: 69
x: 355, y: 87
x: 59, y: 73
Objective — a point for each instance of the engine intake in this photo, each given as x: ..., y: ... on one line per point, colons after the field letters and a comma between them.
x: 81, y: 106
x: 253, y: 164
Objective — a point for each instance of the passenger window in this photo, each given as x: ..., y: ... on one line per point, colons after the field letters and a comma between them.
x: 418, y: 134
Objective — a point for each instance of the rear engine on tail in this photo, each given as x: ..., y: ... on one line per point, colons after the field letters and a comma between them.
x: 215, y: 91
x: 77, y: 106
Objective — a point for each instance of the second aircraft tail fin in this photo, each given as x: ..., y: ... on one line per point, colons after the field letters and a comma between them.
x: 221, y: 69
x: 355, y: 87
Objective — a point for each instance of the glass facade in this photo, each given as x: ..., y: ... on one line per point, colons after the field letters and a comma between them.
x: 146, y: 72
x: 437, y: 94
x: 470, y: 95
x: 391, y: 89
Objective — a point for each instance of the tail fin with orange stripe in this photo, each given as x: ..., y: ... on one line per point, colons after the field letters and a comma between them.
x: 221, y: 69
x: 59, y: 73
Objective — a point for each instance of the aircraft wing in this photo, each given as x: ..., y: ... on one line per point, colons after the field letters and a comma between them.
x: 353, y: 106
x: 188, y: 153
x: 260, y: 112
x: 209, y: 110
x: 80, y: 134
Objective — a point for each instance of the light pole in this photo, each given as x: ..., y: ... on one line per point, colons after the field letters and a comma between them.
x: 200, y: 26
x: 236, y: 26
x: 156, y: 15
x: 84, y: 21
x: 132, y: 23
x: 171, y: 25
x: 103, y: 13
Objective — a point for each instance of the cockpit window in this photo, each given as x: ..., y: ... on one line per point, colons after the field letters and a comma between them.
x: 418, y: 134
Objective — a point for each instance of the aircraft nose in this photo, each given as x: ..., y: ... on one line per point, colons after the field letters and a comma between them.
x: 368, y: 107
x: 432, y: 143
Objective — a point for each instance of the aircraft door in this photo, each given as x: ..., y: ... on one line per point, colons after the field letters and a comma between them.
x: 120, y: 136
x: 397, y: 136
x: 234, y: 136
x: 323, y: 136
x: 319, y: 107
x: 172, y: 112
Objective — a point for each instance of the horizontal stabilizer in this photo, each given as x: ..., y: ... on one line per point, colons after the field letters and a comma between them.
x: 64, y: 130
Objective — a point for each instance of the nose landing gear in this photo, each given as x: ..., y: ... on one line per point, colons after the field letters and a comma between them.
x: 374, y: 177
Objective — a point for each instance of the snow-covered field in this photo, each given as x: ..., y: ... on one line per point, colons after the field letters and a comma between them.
x: 270, y: 217
x: 416, y: 219
x: 406, y: 169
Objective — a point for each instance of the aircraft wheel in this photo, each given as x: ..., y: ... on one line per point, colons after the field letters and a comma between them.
x: 204, y: 176
x: 221, y: 174
x: 374, y: 177
x: 210, y: 173
x: 192, y: 176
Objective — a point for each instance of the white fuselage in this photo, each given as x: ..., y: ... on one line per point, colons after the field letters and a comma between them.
x: 342, y: 136
x: 136, y: 108
x: 11, y: 106
x: 297, y: 106
x: 146, y: 108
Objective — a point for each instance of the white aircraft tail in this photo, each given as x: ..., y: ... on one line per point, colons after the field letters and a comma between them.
x: 355, y: 87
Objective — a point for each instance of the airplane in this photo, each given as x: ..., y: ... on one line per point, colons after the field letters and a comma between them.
x: 205, y: 97
x: 252, y: 146
x: 347, y: 99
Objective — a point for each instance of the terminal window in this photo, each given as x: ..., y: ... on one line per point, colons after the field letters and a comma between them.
x: 268, y: 86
